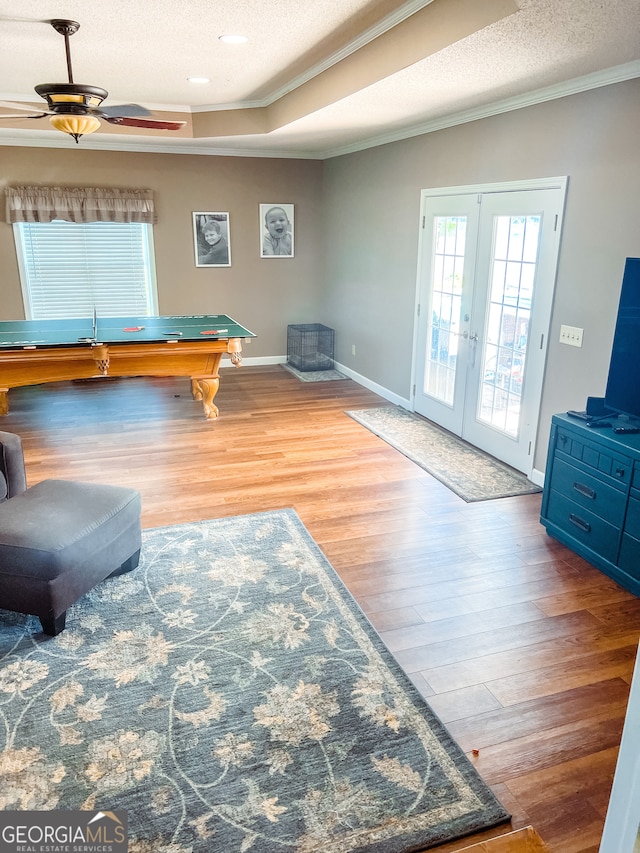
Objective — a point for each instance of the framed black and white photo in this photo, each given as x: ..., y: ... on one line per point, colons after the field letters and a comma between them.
x: 276, y: 230
x: 211, y: 239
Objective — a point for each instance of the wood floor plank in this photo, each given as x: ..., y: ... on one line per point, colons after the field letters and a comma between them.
x: 467, y: 702
x: 492, y: 642
x: 597, y: 595
x: 464, y: 626
x: 550, y: 747
x: 503, y: 725
x: 567, y: 803
x: 524, y: 649
x: 559, y: 677
x: 524, y: 659
x: 391, y: 620
x: 524, y: 840
x: 446, y: 575
x: 492, y: 589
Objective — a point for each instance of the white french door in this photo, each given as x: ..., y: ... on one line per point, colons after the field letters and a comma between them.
x: 485, y: 288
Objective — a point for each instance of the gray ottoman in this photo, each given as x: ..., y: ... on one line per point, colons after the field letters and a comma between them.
x: 60, y: 538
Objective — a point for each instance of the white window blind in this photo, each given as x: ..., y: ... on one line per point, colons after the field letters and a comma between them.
x: 67, y: 269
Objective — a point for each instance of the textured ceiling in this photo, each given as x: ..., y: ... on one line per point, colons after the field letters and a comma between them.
x: 315, y: 78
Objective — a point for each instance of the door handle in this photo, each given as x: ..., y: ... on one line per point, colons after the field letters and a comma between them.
x: 473, y: 339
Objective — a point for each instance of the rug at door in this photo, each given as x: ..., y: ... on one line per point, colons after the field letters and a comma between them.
x: 467, y: 471
x: 230, y: 696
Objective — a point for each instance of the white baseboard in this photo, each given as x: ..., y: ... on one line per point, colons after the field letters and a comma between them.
x: 255, y: 362
x: 373, y: 386
x: 537, y: 477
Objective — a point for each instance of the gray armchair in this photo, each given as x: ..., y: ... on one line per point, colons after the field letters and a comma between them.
x: 60, y: 538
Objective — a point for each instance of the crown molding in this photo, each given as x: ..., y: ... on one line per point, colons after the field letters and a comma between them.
x: 47, y: 139
x: 44, y: 139
x: 608, y: 77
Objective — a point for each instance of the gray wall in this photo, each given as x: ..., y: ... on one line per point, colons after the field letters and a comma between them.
x: 371, y: 225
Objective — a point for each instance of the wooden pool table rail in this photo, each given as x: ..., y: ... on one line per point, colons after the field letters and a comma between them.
x: 198, y: 360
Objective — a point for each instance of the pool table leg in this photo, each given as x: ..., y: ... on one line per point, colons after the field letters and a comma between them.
x: 4, y: 401
x: 205, y: 388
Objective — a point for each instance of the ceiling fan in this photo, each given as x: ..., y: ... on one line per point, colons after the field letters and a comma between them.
x: 76, y: 109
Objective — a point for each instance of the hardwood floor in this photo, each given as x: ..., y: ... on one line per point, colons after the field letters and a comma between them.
x: 524, y: 840
x: 524, y: 650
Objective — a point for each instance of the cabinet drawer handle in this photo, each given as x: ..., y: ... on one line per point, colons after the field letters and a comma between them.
x: 620, y: 472
x: 585, y: 491
x: 579, y: 522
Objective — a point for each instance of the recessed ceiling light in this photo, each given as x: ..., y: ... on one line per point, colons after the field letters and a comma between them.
x: 231, y: 39
x: 198, y: 80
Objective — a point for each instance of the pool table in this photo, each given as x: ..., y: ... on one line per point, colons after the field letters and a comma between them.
x: 37, y: 351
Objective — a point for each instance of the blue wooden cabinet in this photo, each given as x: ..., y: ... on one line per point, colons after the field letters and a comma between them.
x: 591, y: 500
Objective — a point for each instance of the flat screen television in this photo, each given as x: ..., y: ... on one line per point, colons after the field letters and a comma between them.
x: 623, y: 384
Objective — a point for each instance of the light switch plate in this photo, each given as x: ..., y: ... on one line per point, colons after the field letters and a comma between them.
x: 571, y: 335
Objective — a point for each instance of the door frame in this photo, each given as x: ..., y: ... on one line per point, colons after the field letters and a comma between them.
x: 557, y: 183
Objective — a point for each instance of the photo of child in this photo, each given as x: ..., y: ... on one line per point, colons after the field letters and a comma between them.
x: 276, y: 230
x: 211, y: 239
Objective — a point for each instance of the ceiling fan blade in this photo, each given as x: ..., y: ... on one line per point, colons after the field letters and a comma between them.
x: 12, y: 105
x: 125, y: 110
x: 22, y: 115
x: 154, y: 124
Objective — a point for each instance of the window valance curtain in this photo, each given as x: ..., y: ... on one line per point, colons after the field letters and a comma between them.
x: 79, y: 204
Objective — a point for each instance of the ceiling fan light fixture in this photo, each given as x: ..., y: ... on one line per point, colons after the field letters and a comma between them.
x: 76, y: 109
x: 59, y: 95
x: 75, y: 125
x: 85, y: 99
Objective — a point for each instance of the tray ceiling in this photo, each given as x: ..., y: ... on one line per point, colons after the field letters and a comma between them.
x: 313, y: 79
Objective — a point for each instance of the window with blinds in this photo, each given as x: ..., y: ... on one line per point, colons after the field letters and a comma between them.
x: 67, y: 269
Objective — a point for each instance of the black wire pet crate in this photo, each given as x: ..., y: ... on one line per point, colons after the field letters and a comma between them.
x: 310, y: 347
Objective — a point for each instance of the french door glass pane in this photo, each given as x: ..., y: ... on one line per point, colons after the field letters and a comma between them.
x: 507, y: 325
x: 449, y: 236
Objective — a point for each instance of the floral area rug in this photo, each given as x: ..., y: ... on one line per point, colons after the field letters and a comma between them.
x: 472, y: 474
x: 231, y: 696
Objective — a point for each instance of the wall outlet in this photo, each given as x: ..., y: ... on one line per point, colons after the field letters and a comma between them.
x: 353, y: 349
x: 571, y: 335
